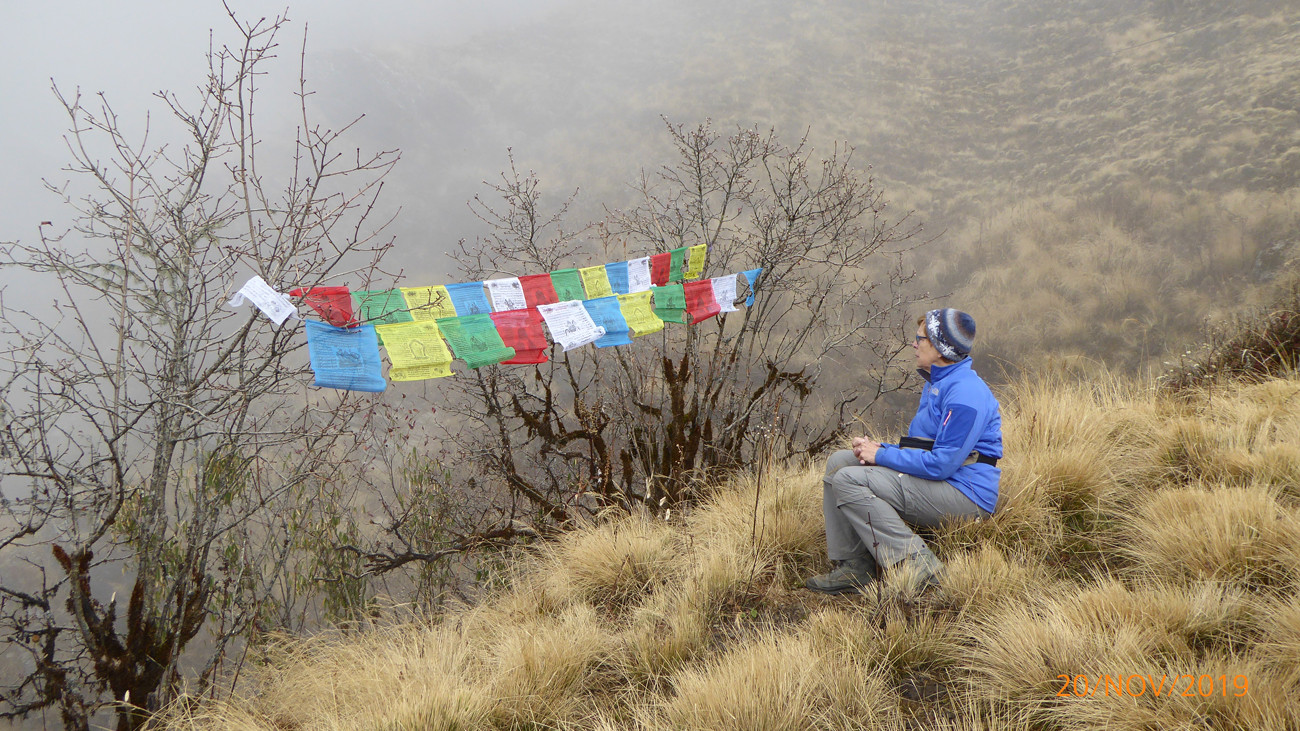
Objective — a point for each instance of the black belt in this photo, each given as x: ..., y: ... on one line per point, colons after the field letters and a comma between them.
x: 928, y: 445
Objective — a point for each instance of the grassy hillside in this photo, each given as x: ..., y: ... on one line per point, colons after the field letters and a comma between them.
x: 1105, y: 176
x: 1140, y: 533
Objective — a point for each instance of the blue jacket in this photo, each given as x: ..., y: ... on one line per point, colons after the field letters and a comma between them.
x: 961, y: 415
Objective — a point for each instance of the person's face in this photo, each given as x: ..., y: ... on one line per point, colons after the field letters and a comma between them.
x: 926, y: 354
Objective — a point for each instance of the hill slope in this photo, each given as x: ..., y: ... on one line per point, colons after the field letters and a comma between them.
x: 1142, y: 537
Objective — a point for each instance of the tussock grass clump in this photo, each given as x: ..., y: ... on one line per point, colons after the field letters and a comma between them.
x: 1143, y: 536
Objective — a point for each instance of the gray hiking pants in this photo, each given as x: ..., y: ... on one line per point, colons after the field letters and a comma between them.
x: 874, y: 506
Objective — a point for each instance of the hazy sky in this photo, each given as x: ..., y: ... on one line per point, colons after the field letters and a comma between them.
x: 129, y: 49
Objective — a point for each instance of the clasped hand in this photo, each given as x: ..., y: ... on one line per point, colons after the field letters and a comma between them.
x: 865, y: 450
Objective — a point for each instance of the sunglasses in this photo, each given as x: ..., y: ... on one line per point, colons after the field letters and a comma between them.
x: 921, y: 338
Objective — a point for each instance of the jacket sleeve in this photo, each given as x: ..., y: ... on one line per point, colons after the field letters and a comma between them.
x: 958, y: 433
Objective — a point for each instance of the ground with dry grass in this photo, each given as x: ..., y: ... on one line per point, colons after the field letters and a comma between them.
x: 1142, y: 572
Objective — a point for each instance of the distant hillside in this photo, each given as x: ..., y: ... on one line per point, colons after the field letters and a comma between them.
x: 1164, y: 129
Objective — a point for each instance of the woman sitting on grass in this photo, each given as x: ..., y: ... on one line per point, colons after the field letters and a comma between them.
x: 946, y: 468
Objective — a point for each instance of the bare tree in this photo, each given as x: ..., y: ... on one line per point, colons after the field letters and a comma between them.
x: 149, y: 427
x: 640, y: 424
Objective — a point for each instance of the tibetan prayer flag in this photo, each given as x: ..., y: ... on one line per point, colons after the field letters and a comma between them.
x: 617, y: 274
x: 606, y: 314
x: 570, y: 324
x: 381, y: 307
x: 522, y: 330
x: 475, y: 340
x: 469, y: 299
x: 724, y: 291
x: 274, y: 305
x: 595, y: 282
x: 660, y: 266
x: 538, y: 290
x: 428, y: 303
x: 670, y: 303
x: 695, y: 261
x: 700, y: 303
x: 638, y: 314
x: 416, y: 350
x: 345, y: 358
x: 568, y: 285
x: 638, y: 275
x: 677, y: 264
x: 752, y: 276
x: 507, y: 294
x: 333, y: 304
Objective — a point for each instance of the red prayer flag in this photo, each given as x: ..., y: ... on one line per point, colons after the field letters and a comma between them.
x: 522, y: 330
x: 538, y: 290
x: 660, y: 268
x: 700, y: 302
x: 333, y: 304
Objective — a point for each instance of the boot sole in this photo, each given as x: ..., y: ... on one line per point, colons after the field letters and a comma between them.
x: 847, y: 589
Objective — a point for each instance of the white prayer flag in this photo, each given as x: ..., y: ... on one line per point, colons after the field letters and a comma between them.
x: 638, y: 275
x: 507, y: 294
x: 570, y: 324
x: 274, y: 305
x: 724, y: 291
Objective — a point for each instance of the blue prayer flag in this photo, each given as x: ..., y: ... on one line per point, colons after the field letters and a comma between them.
x: 607, y: 314
x: 469, y: 299
x: 617, y: 273
x: 752, y: 276
x: 345, y: 358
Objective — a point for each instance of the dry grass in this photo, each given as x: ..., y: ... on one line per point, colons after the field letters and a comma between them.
x: 1140, y: 533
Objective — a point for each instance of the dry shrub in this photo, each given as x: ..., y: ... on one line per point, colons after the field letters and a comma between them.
x: 609, y: 563
x: 1241, y: 535
x: 1279, y: 648
x: 665, y: 634
x: 539, y: 673
x: 776, y: 682
x: 371, y: 679
x: 981, y: 581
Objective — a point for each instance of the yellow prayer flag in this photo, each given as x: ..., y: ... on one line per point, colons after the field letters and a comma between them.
x: 595, y: 281
x: 695, y: 262
x: 428, y: 303
x: 416, y: 350
x: 640, y: 316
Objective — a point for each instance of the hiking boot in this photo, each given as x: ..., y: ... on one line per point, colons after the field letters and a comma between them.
x: 850, y: 575
x: 926, y: 570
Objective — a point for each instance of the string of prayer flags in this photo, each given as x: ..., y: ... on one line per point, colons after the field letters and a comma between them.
x: 333, y: 304
x: 522, y: 330
x: 616, y: 272
x: 468, y: 299
x: 596, y: 282
x: 538, y: 290
x: 607, y: 316
x: 274, y: 305
x: 568, y: 285
x: 507, y: 294
x: 570, y: 324
x: 638, y: 275
x: 475, y: 339
x: 724, y: 291
x: 700, y: 302
x: 427, y: 304
x: 345, y: 358
x: 670, y: 303
x: 695, y: 261
x: 638, y: 314
x: 416, y: 350
x: 677, y: 264
x: 381, y: 307
x: 660, y: 268
x: 752, y: 276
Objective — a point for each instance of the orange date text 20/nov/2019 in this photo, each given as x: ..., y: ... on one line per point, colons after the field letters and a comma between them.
x: 1085, y: 686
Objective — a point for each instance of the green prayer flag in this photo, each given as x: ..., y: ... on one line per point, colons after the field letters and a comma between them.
x: 677, y: 264
x: 475, y: 340
x: 670, y: 303
x: 381, y: 307
x: 568, y: 285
